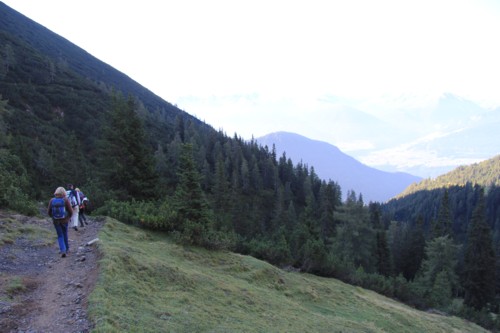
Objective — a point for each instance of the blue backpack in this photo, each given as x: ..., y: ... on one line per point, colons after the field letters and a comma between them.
x: 58, y: 208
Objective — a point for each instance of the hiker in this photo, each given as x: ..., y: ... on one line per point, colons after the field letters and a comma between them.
x: 60, y: 210
x: 75, y: 203
x: 83, y: 203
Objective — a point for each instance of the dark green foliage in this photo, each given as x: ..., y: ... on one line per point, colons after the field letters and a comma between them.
x: 479, y: 261
x: 315, y: 256
x: 482, y: 317
x: 439, y: 278
x: 189, y: 199
x: 127, y: 165
x: 442, y: 225
x: 355, y: 240
x: 194, y: 220
x: 329, y: 202
x: 382, y: 255
x: 148, y: 214
x: 14, y: 184
x: 427, y: 205
x: 413, y: 249
x: 4, y: 139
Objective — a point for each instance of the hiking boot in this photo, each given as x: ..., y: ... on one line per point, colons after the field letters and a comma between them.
x: 63, y: 255
x: 76, y: 229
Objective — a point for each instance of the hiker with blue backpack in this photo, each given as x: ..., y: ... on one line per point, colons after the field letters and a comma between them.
x: 74, y: 200
x: 61, y: 211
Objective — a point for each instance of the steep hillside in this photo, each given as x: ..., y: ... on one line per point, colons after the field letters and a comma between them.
x: 454, y: 195
x: 149, y: 283
x: 54, y: 100
x: 485, y: 173
x: 330, y: 163
x: 60, y: 51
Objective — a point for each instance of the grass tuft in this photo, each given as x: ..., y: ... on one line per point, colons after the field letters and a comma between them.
x: 12, y: 229
x: 15, y: 286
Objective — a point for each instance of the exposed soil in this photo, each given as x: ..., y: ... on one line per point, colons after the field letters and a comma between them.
x: 53, y: 296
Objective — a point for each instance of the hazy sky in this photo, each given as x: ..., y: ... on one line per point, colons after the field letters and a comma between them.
x: 255, y: 67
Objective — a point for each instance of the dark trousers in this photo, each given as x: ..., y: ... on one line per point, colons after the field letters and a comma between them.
x: 82, y: 218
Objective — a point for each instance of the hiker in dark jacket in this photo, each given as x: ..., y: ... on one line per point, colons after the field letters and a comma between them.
x: 60, y: 217
x: 83, y: 203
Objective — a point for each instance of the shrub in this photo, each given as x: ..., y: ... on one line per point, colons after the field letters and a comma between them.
x: 147, y: 214
x: 14, y: 185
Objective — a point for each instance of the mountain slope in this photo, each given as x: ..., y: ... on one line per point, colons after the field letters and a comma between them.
x: 55, y: 99
x: 485, y: 173
x: 149, y: 283
x: 330, y: 163
x: 60, y: 50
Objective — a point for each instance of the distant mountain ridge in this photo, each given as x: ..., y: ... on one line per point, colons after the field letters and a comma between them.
x: 422, y: 136
x: 331, y: 163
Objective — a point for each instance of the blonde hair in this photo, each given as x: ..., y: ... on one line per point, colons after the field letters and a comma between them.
x: 60, y: 192
x: 77, y: 189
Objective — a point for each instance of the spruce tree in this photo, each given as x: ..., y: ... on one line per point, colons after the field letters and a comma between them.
x: 189, y: 201
x: 414, y: 250
x: 382, y: 255
x: 3, y: 125
x: 479, y: 261
x: 127, y: 163
x: 439, y: 266
x: 443, y: 224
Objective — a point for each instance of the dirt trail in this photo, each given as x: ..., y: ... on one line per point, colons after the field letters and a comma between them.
x: 56, y: 289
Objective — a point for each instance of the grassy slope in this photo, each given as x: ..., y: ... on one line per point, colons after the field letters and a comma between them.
x: 150, y: 284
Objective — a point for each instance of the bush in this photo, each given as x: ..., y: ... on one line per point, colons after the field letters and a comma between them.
x: 14, y: 185
x: 483, y: 317
x: 147, y: 214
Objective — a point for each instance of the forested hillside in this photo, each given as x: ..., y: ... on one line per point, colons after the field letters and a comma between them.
x: 67, y: 117
x: 486, y: 173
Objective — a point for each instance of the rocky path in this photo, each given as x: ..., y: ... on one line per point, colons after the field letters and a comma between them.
x: 54, y: 292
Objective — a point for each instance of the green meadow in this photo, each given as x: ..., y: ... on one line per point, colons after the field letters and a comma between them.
x: 149, y: 283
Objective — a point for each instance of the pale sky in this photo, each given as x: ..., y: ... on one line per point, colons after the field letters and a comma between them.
x: 255, y: 67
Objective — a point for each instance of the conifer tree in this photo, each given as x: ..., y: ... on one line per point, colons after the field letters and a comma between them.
x: 189, y: 201
x: 441, y: 293
x: 161, y: 166
x: 443, y: 224
x: 382, y: 256
x: 329, y: 200
x: 439, y: 266
x: 3, y: 126
x: 127, y: 164
x: 382, y: 253
x: 355, y: 239
x: 414, y: 250
x: 479, y: 261
x: 220, y: 188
